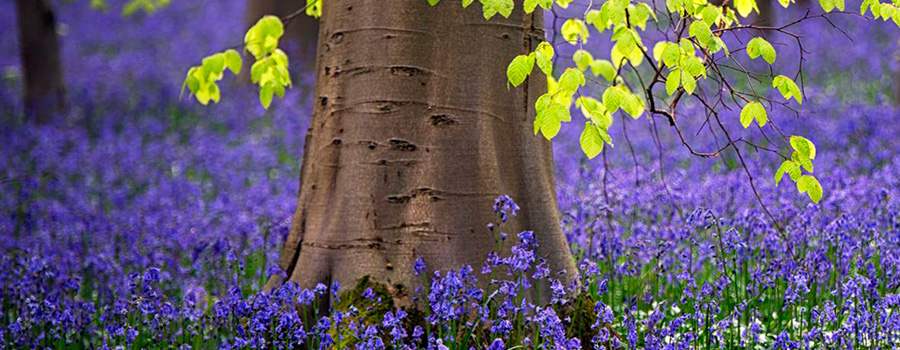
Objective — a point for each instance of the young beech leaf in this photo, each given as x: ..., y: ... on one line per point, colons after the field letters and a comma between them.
x: 603, y: 68
x: 688, y: 83
x: 744, y: 7
x: 233, y: 61
x: 583, y: 59
x: 811, y: 186
x: 791, y: 168
x: 760, y: 47
x: 543, y: 56
x: 700, y: 30
x: 519, y: 69
x: 671, y: 54
x: 571, y: 80
x: 591, y: 141
x: 788, y: 88
x: 314, y: 8
x: 753, y: 111
x: 530, y: 5
x: 573, y: 30
x: 614, y: 98
x: 493, y: 7
x: 263, y: 36
x: 594, y: 111
x: 673, y: 80
x: 710, y: 14
x: 804, y: 147
x: 634, y: 106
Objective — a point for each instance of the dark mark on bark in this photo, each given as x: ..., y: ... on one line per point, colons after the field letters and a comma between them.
x: 423, y: 192
x: 406, y: 71
x: 443, y: 120
x: 352, y: 71
x: 402, y: 145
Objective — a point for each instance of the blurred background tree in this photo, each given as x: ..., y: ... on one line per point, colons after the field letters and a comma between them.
x: 42, y: 70
x: 301, y: 35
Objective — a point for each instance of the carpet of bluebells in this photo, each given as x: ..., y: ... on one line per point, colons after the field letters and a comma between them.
x: 138, y: 221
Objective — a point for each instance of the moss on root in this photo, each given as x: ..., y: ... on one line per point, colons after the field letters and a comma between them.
x: 370, y: 311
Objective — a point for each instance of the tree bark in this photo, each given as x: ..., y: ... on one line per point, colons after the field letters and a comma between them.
x: 414, y: 133
x: 39, y: 48
x: 301, y: 33
x: 767, y: 15
x: 897, y: 84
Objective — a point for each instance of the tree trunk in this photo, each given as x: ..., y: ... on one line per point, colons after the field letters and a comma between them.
x: 897, y: 84
x: 767, y: 15
x: 414, y: 133
x: 300, y: 35
x: 39, y: 47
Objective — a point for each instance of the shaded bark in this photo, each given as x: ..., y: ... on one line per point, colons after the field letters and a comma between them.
x: 897, y: 83
x: 767, y: 12
x: 300, y: 35
x: 39, y: 48
x: 413, y: 135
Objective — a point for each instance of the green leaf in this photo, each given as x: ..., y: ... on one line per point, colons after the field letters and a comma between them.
x: 603, y: 68
x: 791, y: 168
x: 214, y: 64
x: 543, y: 55
x: 530, y: 5
x: 744, y: 7
x: 811, y: 186
x: 551, y: 123
x: 694, y: 66
x: 804, y: 162
x: 701, y: 31
x: 573, y: 30
x: 688, y: 83
x: 803, y: 146
x: 634, y: 106
x: 594, y: 111
x: 673, y: 81
x: 827, y: 5
x: 759, y: 46
x: 788, y: 88
x: 314, y: 8
x: 753, y: 111
x: 639, y: 14
x: 614, y: 98
x: 493, y: 7
x: 466, y: 3
x: 710, y: 14
x: 262, y: 37
x: 265, y: 95
x: 583, y: 59
x: 671, y: 54
x: 233, y: 61
x: 433, y: 2
x: 591, y: 142
x: 570, y: 81
x: 519, y: 69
